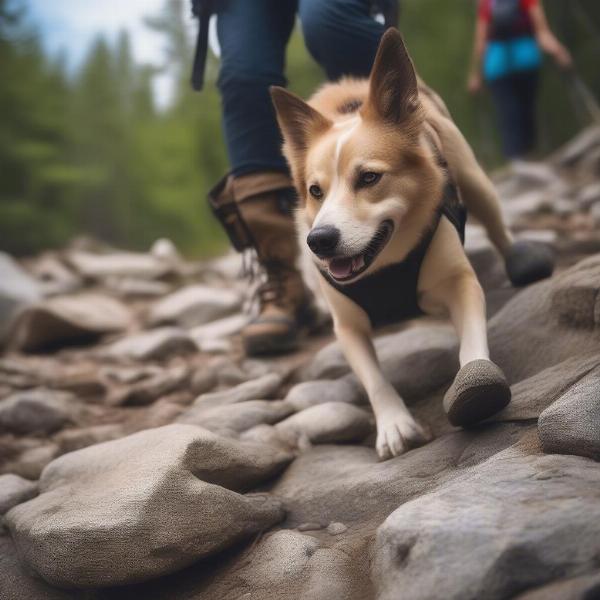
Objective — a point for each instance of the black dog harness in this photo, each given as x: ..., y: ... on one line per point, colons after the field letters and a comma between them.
x: 390, y: 294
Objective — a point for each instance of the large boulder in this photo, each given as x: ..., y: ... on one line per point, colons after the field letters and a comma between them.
x: 16, y: 583
x: 548, y: 322
x: 148, y: 504
x: 571, y: 425
x: 515, y: 521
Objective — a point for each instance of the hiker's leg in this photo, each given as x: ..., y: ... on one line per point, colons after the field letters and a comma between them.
x: 253, y: 37
x: 526, y: 88
x: 341, y: 35
x: 506, y: 100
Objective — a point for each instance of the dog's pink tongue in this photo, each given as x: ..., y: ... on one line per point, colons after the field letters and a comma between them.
x: 340, y: 267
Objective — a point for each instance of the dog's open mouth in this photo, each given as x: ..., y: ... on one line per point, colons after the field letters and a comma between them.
x: 345, y: 268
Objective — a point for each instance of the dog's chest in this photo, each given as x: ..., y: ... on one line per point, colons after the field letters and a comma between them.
x: 390, y: 294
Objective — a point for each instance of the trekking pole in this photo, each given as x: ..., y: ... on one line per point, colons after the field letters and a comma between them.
x: 484, y: 129
x: 583, y: 93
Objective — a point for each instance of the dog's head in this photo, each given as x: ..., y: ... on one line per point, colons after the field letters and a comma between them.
x: 361, y: 177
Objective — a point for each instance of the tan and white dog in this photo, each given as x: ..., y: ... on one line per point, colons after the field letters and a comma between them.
x: 382, y: 173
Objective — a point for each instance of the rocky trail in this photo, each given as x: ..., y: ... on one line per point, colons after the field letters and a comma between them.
x: 142, y: 456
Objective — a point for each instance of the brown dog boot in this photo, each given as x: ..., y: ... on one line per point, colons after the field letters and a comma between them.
x: 479, y: 391
x: 261, y: 218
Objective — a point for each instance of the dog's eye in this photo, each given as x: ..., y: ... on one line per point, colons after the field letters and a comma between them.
x: 315, y: 191
x: 368, y: 178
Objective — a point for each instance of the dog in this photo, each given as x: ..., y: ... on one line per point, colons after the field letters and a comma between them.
x: 383, y: 177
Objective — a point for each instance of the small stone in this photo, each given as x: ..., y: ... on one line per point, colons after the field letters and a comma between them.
x: 328, y: 423
x: 118, y: 264
x: 70, y: 440
x: 312, y: 526
x: 35, y: 411
x: 310, y: 393
x: 32, y: 461
x: 257, y: 389
x: 153, y: 345
x: 131, y: 287
x: 221, y: 328
x: 17, y: 291
x: 195, y: 305
x: 14, y: 490
x: 148, y: 390
x: 237, y: 417
x: 589, y: 195
x: 203, y: 381
x: 64, y: 320
x: 336, y: 528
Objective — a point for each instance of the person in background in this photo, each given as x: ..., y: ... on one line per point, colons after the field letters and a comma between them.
x: 255, y: 200
x: 510, y: 36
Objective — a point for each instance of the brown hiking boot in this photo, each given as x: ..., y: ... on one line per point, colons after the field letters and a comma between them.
x: 262, y: 219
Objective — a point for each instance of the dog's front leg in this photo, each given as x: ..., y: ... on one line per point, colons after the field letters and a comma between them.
x: 449, y: 285
x: 479, y: 389
x: 397, y: 430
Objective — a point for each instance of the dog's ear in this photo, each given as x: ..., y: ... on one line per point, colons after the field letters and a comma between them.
x: 393, y: 92
x: 297, y: 120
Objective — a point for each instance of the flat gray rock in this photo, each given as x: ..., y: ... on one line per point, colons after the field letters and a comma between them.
x: 256, y: 389
x: 14, y: 490
x: 157, y: 344
x: 35, y: 411
x: 64, y: 320
x: 571, y: 425
x: 119, y: 264
x: 310, y: 393
x: 195, y: 305
x: 328, y: 423
x: 174, y: 500
x: 416, y: 360
x: 239, y: 417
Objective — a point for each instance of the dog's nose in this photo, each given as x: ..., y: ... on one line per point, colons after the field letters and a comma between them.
x: 323, y: 240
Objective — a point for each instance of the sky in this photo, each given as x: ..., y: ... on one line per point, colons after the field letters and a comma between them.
x: 70, y: 26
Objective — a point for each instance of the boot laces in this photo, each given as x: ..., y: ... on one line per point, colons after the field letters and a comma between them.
x: 272, y: 289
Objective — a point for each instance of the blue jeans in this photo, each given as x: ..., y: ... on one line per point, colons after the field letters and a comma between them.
x: 515, y: 97
x: 341, y: 36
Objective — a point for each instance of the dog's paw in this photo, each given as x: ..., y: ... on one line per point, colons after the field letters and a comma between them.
x: 479, y: 391
x: 397, y: 433
x: 528, y: 262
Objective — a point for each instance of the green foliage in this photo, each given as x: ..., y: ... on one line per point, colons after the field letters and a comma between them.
x: 91, y: 153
